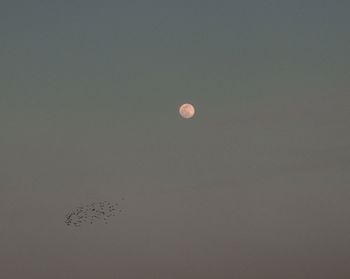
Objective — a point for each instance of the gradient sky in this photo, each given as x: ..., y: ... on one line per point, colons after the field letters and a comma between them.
x: 255, y: 186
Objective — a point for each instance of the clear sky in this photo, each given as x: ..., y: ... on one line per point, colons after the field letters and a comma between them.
x: 256, y: 185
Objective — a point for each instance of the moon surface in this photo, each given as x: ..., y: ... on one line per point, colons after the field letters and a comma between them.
x: 187, y: 111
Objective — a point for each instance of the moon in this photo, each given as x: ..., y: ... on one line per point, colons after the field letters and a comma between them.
x: 187, y: 111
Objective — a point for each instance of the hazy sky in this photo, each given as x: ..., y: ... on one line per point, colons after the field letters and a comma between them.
x: 255, y: 186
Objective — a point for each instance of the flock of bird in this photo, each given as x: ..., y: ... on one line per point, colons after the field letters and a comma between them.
x: 96, y: 211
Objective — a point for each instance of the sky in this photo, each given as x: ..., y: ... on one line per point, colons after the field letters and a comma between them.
x: 256, y: 185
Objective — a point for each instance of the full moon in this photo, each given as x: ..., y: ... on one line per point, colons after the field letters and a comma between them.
x: 187, y: 111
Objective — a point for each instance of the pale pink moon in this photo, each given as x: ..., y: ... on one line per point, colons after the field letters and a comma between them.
x: 187, y: 111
